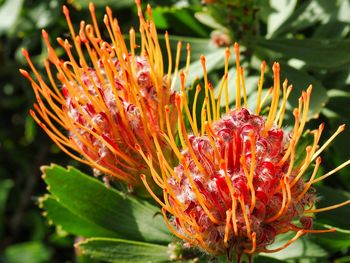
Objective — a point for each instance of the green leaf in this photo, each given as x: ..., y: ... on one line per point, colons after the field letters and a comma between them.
x: 251, y: 84
x: 338, y: 113
x: 29, y: 252
x: 332, y: 241
x: 119, y: 250
x: 338, y: 217
x: 307, y: 14
x: 323, y: 53
x: 301, y: 80
x: 343, y: 11
x: 183, y: 21
x: 333, y: 29
x: 302, y: 248
x: 71, y: 222
x: 209, y: 21
x: 9, y: 12
x: 199, y: 46
x: 337, y: 100
x: 282, y: 10
x: 159, y: 17
x: 213, y: 59
x: 87, y: 197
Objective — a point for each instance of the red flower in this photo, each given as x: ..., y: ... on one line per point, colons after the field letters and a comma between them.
x: 98, y: 105
x: 236, y: 185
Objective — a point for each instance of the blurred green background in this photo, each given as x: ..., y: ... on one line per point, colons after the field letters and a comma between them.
x: 311, y: 40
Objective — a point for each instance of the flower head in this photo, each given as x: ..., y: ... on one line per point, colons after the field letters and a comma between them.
x: 237, y: 184
x: 105, y: 98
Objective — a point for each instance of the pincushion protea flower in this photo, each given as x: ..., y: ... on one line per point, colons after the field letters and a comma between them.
x: 108, y: 98
x: 237, y: 185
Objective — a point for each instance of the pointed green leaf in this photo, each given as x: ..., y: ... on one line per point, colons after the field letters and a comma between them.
x: 323, y: 53
x: 300, y: 81
x: 122, y: 251
x: 208, y: 20
x: 87, y: 197
x: 306, y: 15
x: 184, y: 20
x: 71, y: 222
x: 281, y: 11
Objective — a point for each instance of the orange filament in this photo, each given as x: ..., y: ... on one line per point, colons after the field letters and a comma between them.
x: 244, y: 89
x: 260, y: 85
x: 308, y: 185
x: 143, y: 178
x: 340, y: 129
x: 245, y: 215
x: 284, y: 198
x: 238, y: 76
x: 332, y: 207
x: 227, y: 57
x: 275, y: 97
x: 331, y: 172
x: 227, y: 227
x: 253, y: 248
x: 295, y: 238
x: 251, y: 172
x: 177, y: 62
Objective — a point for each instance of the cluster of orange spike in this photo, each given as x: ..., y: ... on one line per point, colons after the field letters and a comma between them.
x: 92, y: 86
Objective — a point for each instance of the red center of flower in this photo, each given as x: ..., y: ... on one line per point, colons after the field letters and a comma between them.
x: 238, y: 170
x: 107, y: 122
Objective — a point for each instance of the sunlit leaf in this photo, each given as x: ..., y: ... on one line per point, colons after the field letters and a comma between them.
x: 118, y: 250
x: 85, y: 196
x: 306, y: 15
x: 208, y: 20
x: 302, y: 248
x: 281, y: 11
x: 9, y: 12
x: 213, y: 59
x: 71, y: 222
x: 323, y: 53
